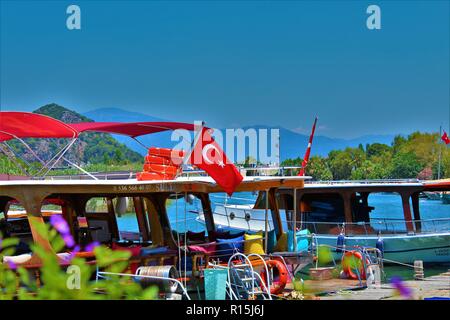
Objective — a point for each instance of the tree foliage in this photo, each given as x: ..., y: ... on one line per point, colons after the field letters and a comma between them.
x: 413, y: 156
x: 16, y: 282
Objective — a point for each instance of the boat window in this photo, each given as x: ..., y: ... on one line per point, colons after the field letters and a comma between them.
x: 14, y: 224
x: 97, y: 205
x: 185, y: 213
x: 123, y: 226
x: 387, y: 212
x: 127, y: 220
x: 321, y: 212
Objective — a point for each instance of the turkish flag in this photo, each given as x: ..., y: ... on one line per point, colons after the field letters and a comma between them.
x: 445, y: 138
x: 208, y: 156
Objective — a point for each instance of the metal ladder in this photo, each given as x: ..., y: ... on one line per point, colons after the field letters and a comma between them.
x: 244, y: 281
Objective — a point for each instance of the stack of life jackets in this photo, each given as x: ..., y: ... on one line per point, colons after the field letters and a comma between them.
x: 161, y: 164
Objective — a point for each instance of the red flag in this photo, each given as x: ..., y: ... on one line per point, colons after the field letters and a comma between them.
x: 445, y: 138
x: 208, y: 156
x: 308, y: 150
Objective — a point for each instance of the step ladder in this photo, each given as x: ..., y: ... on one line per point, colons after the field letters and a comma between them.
x: 244, y: 282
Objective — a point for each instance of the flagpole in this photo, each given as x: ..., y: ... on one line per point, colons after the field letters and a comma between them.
x: 197, y: 136
x: 439, y: 160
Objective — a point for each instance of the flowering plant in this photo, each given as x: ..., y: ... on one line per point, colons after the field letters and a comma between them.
x: 70, y: 277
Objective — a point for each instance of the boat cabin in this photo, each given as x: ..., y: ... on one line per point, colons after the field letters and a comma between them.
x: 324, y: 208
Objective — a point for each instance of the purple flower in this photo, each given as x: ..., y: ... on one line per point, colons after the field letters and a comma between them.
x: 74, y: 252
x: 91, y: 246
x: 399, y: 285
x: 12, y: 265
x: 60, y: 224
x: 68, y: 240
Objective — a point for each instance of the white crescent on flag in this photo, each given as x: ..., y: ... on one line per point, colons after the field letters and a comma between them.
x: 205, y: 153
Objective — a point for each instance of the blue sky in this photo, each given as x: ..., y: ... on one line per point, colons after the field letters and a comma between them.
x: 235, y: 63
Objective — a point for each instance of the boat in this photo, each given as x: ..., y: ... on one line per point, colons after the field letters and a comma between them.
x: 339, y: 213
x: 433, y: 195
x: 158, y: 253
x: 445, y: 198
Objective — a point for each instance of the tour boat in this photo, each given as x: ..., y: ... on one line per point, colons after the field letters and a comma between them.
x: 157, y: 251
x: 341, y: 214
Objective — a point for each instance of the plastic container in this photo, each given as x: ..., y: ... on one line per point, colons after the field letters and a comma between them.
x: 215, y: 284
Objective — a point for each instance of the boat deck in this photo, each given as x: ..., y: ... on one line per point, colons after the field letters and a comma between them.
x: 342, y: 289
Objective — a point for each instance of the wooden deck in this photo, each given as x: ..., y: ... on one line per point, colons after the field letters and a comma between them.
x: 340, y: 289
x: 434, y: 286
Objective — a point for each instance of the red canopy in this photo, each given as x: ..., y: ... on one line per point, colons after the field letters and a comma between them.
x: 132, y: 129
x: 32, y: 125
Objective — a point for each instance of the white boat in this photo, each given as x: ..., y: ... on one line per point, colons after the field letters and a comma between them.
x: 329, y: 209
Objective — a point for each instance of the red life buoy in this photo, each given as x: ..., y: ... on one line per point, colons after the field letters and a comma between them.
x: 348, y: 267
x: 278, y: 285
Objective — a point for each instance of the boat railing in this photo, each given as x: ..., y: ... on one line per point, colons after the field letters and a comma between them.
x: 377, y: 225
x: 255, y: 171
x: 98, y: 176
x: 105, y: 274
x: 367, y: 181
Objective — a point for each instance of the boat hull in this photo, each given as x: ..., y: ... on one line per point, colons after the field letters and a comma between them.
x: 430, y: 248
x: 406, y: 248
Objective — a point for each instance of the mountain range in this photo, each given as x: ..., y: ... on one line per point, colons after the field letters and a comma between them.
x: 292, y: 144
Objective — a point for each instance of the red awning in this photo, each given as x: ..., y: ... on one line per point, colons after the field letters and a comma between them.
x: 32, y: 125
x: 131, y: 129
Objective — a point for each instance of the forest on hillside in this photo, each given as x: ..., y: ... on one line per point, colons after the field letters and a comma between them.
x: 414, y: 156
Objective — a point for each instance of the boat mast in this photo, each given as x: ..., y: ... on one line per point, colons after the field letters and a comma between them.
x: 440, y: 151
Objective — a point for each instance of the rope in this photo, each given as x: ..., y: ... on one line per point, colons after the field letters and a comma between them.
x: 185, y: 238
x: 178, y: 235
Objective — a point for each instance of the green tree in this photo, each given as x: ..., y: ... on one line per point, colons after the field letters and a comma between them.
x: 118, y: 156
x: 405, y: 165
x: 377, y: 149
x: 318, y: 169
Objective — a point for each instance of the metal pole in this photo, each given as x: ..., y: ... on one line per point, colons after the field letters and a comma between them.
x: 439, y: 145
x: 266, y: 220
x: 80, y: 168
x: 13, y: 159
x: 295, y: 220
x: 62, y: 153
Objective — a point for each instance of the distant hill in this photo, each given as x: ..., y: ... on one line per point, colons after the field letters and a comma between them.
x: 90, y: 147
x: 292, y: 144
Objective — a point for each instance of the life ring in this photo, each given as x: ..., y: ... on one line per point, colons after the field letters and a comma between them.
x: 347, y: 265
x: 277, y: 286
x: 161, y: 168
x: 157, y: 160
x: 141, y: 176
x: 175, y: 155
